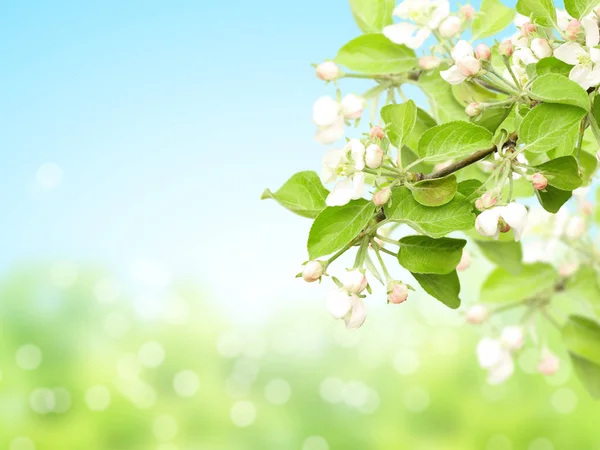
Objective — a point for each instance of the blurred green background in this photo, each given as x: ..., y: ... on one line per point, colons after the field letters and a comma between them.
x: 86, y: 363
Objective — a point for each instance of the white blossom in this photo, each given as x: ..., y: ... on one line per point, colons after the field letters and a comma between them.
x: 494, y: 357
x: 512, y: 337
x: 465, y: 64
x: 352, y: 106
x: 425, y: 16
x: 450, y: 27
x: 477, y: 314
x: 354, y: 281
x: 350, y: 307
x: 347, y: 162
x: 514, y: 214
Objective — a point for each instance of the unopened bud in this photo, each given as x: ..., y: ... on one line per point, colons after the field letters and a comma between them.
x: 488, y: 200
x: 528, y: 28
x: 313, y: 271
x: 398, y: 293
x: 429, y: 62
x: 352, y: 106
x: 539, y: 181
x: 540, y: 48
x: 506, y: 48
x: 473, y: 109
x: 468, y: 12
x: 477, y: 314
x: 328, y: 71
x: 479, y: 205
x: 483, y: 52
x: 374, y: 156
x: 573, y: 30
x: 382, y: 197
x: 549, y: 363
x: 468, y: 66
x: 449, y: 27
x: 465, y: 261
x: 377, y: 132
x: 512, y: 337
x: 354, y: 281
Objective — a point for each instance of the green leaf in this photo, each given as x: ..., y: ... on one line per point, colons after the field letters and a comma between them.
x: 409, y: 157
x: 546, y: 124
x: 375, y: 54
x: 401, y: 121
x: 588, y: 164
x: 541, y: 12
x: 581, y: 336
x: 434, y: 222
x: 337, y: 226
x: 494, y: 17
x: 423, y: 123
x: 552, y: 199
x: 554, y: 88
x: 562, y: 173
x: 372, y: 15
x: 422, y: 254
x: 445, y: 288
x: 580, y: 8
x: 453, y: 140
x: 552, y: 65
x: 501, y: 286
x: 505, y: 254
x: 302, y: 194
x: 468, y: 187
x: 444, y: 106
x: 567, y: 144
x: 583, y: 285
x: 436, y: 192
x: 588, y: 373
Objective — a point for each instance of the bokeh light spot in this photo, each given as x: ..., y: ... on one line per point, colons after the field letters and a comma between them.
x: 186, y: 383
x: 278, y: 391
x: 97, y: 398
x: 151, y: 354
x: 29, y: 357
x: 243, y: 414
x: 564, y: 401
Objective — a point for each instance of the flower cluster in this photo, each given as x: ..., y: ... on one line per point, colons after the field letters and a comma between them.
x: 330, y: 116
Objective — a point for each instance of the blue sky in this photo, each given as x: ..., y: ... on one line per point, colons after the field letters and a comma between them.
x: 168, y: 119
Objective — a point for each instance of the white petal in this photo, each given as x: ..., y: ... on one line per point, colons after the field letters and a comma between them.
x: 595, y: 55
x: 570, y: 53
x: 521, y: 20
x: 338, y: 303
x: 519, y: 41
x: 419, y: 39
x: 592, y: 34
x: 358, y: 180
x: 512, y: 337
x: 341, y: 194
x: 331, y: 161
x: 352, y: 106
x: 461, y: 50
x: 524, y: 56
x: 325, y: 112
x: 357, y: 152
x: 358, y: 314
x: 489, y: 352
x: 487, y: 223
x: 441, y: 11
x: 563, y: 19
x: 453, y: 75
x: 329, y: 135
x: 593, y: 77
x: 501, y: 372
x: 403, y: 9
x: 400, y: 33
x: 580, y: 75
x: 541, y: 48
x: 515, y: 215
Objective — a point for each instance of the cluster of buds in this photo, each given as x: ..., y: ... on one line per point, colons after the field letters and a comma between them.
x: 330, y: 115
x: 466, y: 65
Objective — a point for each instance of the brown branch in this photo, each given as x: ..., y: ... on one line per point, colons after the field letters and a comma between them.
x: 471, y: 159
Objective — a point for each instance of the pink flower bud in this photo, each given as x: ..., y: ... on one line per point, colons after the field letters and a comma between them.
x: 313, y: 271
x: 479, y: 205
x: 468, y: 12
x: 473, y: 109
x: 328, y: 71
x: 354, y: 281
x: 352, y: 106
x: 468, y: 66
x: 465, y: 261
x: 449, y: 27
x: 488, y: 200
x: 586, y: 207
x: 573, y: 30
x: 382, y: 197
x: 429, y: 62
x: 506, y: 48
x: 374, y: 156
x: 539, y: 181
x: 549, y: 364
x: 398, y: 293
x: 540, y: 48
x: 512, y: 337
x: 377, y: 132
x: 477, y: 314
x: 483, y: 52
x: 528, y: 28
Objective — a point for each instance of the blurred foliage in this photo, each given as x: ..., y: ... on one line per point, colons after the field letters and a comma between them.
x: 181, y: 377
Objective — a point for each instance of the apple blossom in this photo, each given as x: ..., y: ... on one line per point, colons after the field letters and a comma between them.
x: 429, y: 62
x: 325, y: 111
x: 328, y: 71
x: 383, y: 196
x: 348, y: 162
x: 449, y: 27
x: 488, y: 200
x: 350, y: 307
x: 397, y: 292
x: 377, y: 132
x: 483, y: 52
x: 506, y: 48
x: 575, y: 228
x: 496, y: 359
x: 549, y: 363
x: 540, y: 48
x: 473, y: 109
x: 354, y: 281
x: 313, y: 271
x: 573, y: 30
x: 528, y: 28
x: 352, y: 106
x: 465, y: 261
x: 468, y: 12
x: 374, y: 156
x: 465, y: 64
x: 513, y: 215
x: 477, y: 314
x: 539, y: 181
x: 512, y: 337
x: 426, y: 15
